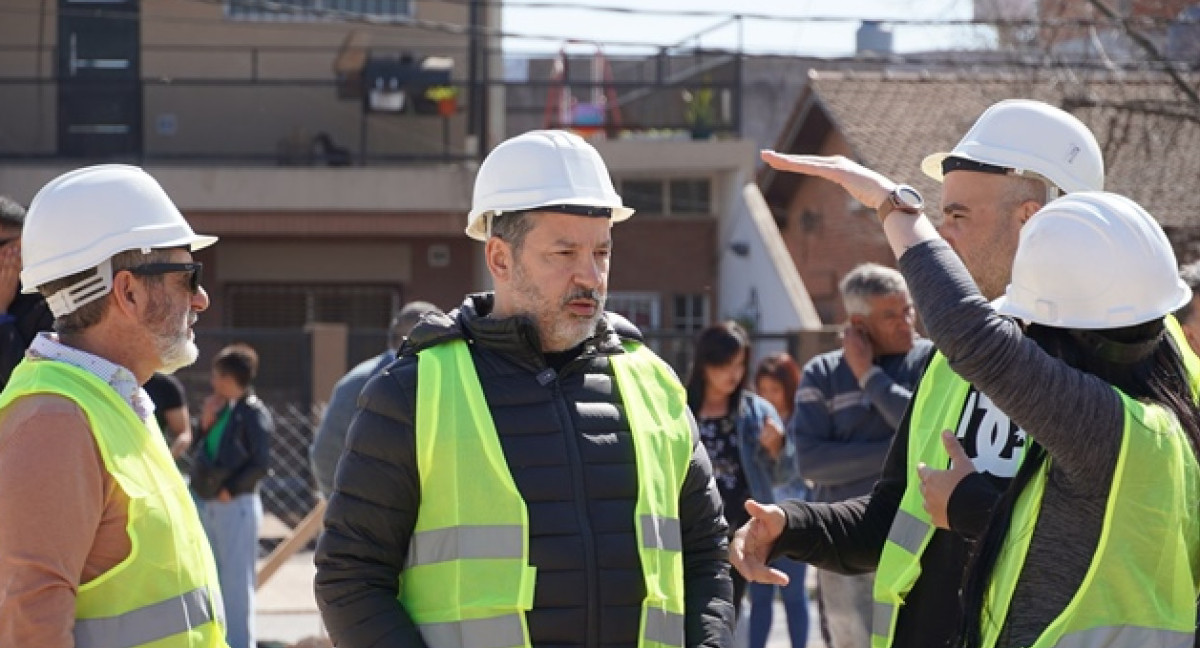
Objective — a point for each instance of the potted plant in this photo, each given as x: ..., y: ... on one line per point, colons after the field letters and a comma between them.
x: 700, y: 112
x: 446, y: 98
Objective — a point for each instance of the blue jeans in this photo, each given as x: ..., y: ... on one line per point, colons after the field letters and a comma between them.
x: 795, y: 602
x: 232, y: 529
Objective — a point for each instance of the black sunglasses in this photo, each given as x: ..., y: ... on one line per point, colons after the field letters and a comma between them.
x: 195, y: 268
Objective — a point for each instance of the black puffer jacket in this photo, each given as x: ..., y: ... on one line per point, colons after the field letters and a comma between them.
x: 571, y: 455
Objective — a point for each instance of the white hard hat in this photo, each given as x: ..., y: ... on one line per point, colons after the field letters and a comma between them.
x: 80, y: 219
x: 1021, y: 135
x: 1093, y: 260
x: 542, y: 168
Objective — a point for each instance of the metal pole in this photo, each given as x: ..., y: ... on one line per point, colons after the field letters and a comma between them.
x: 473, y: 70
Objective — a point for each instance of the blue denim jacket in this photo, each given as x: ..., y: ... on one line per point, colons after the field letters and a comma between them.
x: 767, y: 478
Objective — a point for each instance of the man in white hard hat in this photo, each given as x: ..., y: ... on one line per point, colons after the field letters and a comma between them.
x: 527, y: 472
x: 916, y: 526
x: 101, y: 545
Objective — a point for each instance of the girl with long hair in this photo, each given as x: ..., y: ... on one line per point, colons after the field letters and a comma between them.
x: 743, y: 434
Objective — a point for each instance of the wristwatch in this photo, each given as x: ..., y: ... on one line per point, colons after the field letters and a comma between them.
x: 902, y: 198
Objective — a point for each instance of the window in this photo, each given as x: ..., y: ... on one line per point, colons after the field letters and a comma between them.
x: 313, y: 10
x: 669, y: 197
x: 690, y: 196
x: 646, y: 196
x: 641, y: 308
x: 291, y: 305
x: 691, y: 313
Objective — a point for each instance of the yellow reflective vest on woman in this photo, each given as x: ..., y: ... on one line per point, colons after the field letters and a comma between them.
x: 1141, y: 587
x: 467, y: 581
x: 165, y: 594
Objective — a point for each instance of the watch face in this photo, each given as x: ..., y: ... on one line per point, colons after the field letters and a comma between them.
x: 909, y: 197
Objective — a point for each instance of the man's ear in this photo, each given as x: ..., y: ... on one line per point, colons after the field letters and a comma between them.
x: 1027, y: 210
x: 129, y: 295
x: 499, y: 256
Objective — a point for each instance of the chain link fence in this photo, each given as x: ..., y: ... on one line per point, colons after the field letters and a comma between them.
x: 289, y: 491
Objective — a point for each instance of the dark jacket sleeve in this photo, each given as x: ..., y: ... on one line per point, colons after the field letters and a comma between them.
x: 970, y: 507
x: 255, y: 426
x: 708, y: 590
x: 370, y: 519
x: 847, y: 537
x: 27, y: 316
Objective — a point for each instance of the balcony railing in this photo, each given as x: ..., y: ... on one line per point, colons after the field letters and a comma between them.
x: 287, y: 106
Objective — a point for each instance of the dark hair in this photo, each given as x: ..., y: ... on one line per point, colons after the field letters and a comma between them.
x: 12, y: 213
x: 716, y: 346
x: 782, y: 368
x: 1157, y: 377
x: 513, y: 227
x: 238, y: 361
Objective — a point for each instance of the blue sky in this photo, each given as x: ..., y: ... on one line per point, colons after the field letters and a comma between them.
x: 757, y: 35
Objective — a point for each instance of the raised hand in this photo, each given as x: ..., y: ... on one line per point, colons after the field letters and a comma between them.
x: 10, y: 273
x: 868, y: 187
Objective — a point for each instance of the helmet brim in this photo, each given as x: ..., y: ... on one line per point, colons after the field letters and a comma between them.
x: 477, y: 227
x: 932, y: 165
x: 1005, y: 305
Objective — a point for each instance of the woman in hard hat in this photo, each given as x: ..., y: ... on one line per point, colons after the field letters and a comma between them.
x: 1097, y: 540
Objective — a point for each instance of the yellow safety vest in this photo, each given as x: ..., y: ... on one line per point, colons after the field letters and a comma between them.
x: 467, y: 581
x: 165, y: 594
x: 1140, y: 589
x: 938, y: 406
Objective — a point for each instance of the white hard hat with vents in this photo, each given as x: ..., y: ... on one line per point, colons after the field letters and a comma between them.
x: 1020, y: 136
x: 543, y: 168
x: 80, y: 219
x: 1093, y: 260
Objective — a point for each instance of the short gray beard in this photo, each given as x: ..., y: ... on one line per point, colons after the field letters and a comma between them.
x: 174, y: 351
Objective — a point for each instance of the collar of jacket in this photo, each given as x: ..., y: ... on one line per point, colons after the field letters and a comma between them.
x: 516, y: 337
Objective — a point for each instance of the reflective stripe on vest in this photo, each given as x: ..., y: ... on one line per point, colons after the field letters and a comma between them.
x: 467, y: 582
x: 166, y: 591
x: 457, y: 543
x: 144, y: 625
x: 938, y: 406
x: 1140, y: 589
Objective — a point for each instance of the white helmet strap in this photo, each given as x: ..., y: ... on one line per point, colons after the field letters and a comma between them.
x: 85, y: 291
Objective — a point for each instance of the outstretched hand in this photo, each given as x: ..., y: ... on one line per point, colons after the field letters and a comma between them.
x: 751, y: 545
x: 868, y: 187
x: 938, y: 485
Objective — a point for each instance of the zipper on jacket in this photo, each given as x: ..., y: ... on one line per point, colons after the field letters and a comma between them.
x: 591, y: 573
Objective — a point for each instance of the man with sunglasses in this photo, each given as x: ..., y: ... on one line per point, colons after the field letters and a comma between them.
x: 101, y: 544
x: 22, y: 316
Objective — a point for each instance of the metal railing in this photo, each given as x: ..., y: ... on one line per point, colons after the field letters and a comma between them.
x: 286, y: 106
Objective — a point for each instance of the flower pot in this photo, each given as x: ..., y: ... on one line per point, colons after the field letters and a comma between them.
x: 447, y: 107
